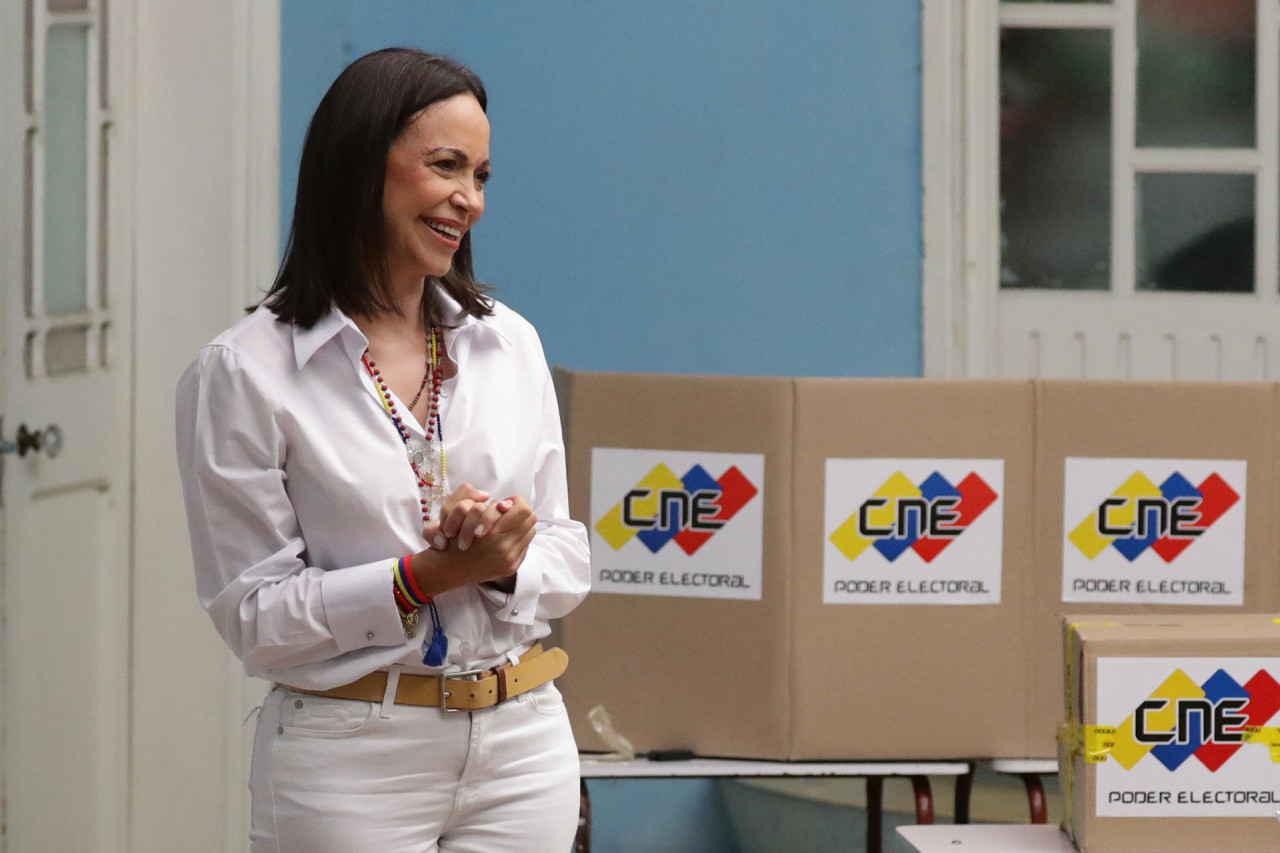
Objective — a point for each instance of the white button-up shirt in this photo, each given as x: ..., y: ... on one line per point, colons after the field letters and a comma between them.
x: 300, y: 495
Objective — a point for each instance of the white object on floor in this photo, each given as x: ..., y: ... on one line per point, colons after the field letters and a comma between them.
x: 987, y: 838
x: 594, y: 768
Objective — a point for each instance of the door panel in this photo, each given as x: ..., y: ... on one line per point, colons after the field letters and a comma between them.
x: 64, y: 537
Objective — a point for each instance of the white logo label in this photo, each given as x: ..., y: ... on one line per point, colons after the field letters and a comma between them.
x: 1154, y: 531
x: 678, y: 523
x: 1194, y: 737
x: 913, y: 531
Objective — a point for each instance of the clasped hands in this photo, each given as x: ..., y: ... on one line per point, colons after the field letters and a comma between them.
x: 485, y: 540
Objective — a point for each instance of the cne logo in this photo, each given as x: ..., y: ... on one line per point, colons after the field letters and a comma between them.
x: 688, y: 510
x: 1210, y: 721
x: 925, y: 518
x: 1165, y: 518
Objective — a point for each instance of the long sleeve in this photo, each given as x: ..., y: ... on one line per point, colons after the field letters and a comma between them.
x: 252, y: 578
x: 556, y: 573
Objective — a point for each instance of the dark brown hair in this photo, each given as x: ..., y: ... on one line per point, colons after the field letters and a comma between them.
x: 336, y: 254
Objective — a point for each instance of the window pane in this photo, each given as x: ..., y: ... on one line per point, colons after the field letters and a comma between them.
x: 1055, y: 159
x: 104, y: 155
x: 1195, y: 232
x: 66, y: 350
x: 104, y: 44
x: 28, y: 223
x: 65, y: 168
x: 1196, y: 74
x: 105, y: 346
x: 28, y: 49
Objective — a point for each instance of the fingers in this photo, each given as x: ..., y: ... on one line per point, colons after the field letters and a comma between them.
x: 459, y: 500
x: 509, y: 559
x: 432, y: 534
x: 518, y: 515
x: 523, y: 547
x: 490, y: 517
x: 467, y: 516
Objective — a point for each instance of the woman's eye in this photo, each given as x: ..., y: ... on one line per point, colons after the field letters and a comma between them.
x: 444, y: 165
x: 482, y: 178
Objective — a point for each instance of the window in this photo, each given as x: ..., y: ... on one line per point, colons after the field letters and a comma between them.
x: 65, y: 187
x: 1112, y: 212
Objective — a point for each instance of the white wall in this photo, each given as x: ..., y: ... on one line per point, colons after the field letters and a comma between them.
x: 206, y: 96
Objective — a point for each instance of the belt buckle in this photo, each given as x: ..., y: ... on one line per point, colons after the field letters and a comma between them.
x: 445, y: 694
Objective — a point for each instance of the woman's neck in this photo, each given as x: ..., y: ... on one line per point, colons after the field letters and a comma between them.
x: 406, y: 322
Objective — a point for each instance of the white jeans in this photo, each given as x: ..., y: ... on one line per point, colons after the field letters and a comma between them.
x: 343, y: 776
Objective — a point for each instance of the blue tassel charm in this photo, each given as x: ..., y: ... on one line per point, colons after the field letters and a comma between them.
x: 438, y: 649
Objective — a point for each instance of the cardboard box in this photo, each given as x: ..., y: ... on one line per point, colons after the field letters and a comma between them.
x: 685, y: 485
x: 903, y: 651
x: 1171, y: 741
x: 1121, y: 441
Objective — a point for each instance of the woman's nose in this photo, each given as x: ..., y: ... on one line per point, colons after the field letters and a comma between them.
x: 467, y: 198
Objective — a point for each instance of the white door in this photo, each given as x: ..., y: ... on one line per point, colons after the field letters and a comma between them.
x: 64, y: 362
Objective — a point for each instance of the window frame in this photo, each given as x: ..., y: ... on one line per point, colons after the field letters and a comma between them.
x: 961, y: 298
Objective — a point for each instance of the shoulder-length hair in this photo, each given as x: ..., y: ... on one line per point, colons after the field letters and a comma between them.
x: 336, y: 254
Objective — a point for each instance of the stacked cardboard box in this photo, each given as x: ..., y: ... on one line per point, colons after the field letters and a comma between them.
x: 1099, y: 440
x: 1171, y: 742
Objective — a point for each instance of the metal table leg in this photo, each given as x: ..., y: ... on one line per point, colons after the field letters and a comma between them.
x: 964, y: 794
x: 924, y: 799
x: 875, y: 814
x: 582, y: 841
x: 1035, y: 797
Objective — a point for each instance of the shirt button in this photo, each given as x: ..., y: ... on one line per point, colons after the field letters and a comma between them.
x: 369, y: 636
x: 465, y: 648
x: 515, y: 612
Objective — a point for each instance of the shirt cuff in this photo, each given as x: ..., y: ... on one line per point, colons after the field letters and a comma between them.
x: 521, y: 606
x: 360, y: 608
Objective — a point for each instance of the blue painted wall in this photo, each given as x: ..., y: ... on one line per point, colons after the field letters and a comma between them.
x: 720, y: 186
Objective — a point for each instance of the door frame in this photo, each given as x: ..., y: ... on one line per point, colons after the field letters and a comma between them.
x: 205, y: 189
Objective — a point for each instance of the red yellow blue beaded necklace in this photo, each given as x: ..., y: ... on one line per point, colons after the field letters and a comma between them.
x: 432, y: 484
x: 430, y: 489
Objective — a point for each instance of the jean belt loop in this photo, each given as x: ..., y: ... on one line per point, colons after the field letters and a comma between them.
x: 393, y: 683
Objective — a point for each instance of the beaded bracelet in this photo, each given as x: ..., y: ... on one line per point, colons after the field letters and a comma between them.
x: 408, y: 585
x: 409, y: 599
x: 403, y: 603
x: 408, y: 596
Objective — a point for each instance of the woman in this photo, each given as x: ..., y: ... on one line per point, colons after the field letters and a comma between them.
x: 320, y: 441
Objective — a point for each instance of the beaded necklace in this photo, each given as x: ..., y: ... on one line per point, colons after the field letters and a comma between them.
x: 431, y: 484
x: 430, y: 487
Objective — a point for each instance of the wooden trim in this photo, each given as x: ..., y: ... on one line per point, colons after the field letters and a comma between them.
x: 942, y: 150
x: 1196, y: 160
x: 256, y: 150
x: 255, y: 159
x: 1058, y: 15
x: 1267, y: 188
x: 980, y: 317
x: 1124, y: 85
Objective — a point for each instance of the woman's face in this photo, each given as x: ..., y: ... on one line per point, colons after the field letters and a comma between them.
x: 434, y: 190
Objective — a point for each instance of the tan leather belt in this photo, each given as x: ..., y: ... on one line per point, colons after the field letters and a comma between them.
x: 469, y: 690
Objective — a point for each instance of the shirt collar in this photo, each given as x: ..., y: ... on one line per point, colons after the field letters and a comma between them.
x: 306, y: 342
x: 453, y: 317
